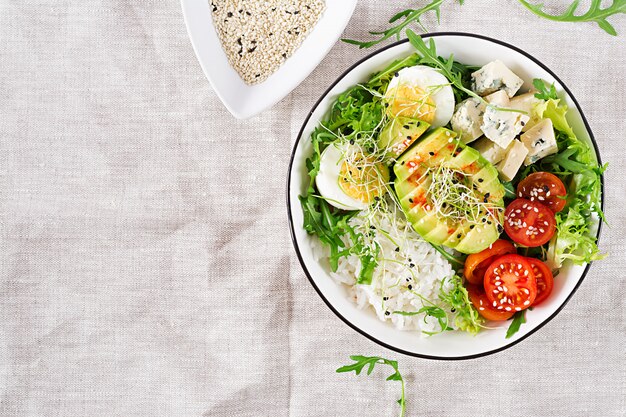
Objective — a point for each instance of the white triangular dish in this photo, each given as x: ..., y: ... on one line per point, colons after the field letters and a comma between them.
x: 244, y: 100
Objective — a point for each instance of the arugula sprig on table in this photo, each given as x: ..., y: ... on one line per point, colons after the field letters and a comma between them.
x: 407, y: 17
x: 371, y: 362
x: 595, y: 13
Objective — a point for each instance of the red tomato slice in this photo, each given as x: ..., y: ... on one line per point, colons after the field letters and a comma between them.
x: 544, y: 278
x: 544, y: 188
x: 510, y: 283
x: 476, y: 264
x: 479, y: 299
x: 529, y: 223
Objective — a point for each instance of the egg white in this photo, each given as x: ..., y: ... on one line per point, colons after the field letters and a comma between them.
x: 327, y: 180
x: 428, y: 79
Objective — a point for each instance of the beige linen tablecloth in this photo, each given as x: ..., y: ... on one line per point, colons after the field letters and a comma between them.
x: 145, y: 262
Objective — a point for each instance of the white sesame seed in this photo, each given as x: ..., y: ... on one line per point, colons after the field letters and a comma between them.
x: 526, y: 302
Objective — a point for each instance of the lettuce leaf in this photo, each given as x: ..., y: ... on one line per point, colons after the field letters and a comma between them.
x: 576, y: 166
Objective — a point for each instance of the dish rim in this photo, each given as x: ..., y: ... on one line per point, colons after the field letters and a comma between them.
x: 292, y: 227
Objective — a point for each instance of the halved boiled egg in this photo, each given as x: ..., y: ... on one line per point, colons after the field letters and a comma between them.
x: 422, y: 93
x: 349, y: 180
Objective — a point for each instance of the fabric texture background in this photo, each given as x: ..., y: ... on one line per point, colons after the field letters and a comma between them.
x: 145, y: 262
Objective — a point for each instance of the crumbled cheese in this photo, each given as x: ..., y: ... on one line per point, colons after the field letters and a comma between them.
x: 489, y: 150
x: 513, y: 160
x: 493, y: 77
x: 500, y: 98
x: 501, y: 126
x: 467, y: 118
x: 540, y: 141
x: 526, y: 103
x: 258, y: 36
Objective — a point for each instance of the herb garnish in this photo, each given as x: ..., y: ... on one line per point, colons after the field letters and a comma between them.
x: 518, y: 319
x: 411, y: 16
x: 467, y: 317
x: 595, y: 13
x: 371, y: 361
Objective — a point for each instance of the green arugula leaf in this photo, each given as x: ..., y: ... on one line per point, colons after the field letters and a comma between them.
x: 595, y: 13
x: 453, y: 71
x: 408, y: 16
x: 371, y: 361
x: 518, y: 319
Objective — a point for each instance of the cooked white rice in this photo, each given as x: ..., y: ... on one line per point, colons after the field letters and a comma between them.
x: 407, y: 269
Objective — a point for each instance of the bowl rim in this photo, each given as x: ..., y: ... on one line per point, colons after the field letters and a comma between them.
x: 292, y: 227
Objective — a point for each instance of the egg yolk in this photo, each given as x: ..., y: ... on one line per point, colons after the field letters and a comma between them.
x: 362, y: 180
x: 410, y: 101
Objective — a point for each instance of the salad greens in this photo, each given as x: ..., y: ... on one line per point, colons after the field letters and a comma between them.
x: 576, y: 166
x: 595, y: 13
x: 467, y: 317
x: 518, y: 319
x: 371, y: 362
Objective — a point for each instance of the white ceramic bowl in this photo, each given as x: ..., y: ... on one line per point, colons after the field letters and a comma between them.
x: 243, y: 100
x: 472, y: 50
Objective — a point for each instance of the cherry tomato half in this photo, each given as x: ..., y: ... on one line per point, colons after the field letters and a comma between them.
x: 479, y: 299
x: 476, y: 264
x: 544, y: 188
x: 529, y: 223
x: 510, y: 283
x: 544, y: 278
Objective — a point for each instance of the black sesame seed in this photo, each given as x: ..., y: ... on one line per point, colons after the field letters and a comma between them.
x: 545, y: 189
x: 411, y: 200
x: 453, y: 310
x: 387, y: 313
x: 351, y: 141
x: 396, y: 74
x: 488, y: 221
x: 410, y: 287
x: 229, y: 14
x: 385, y: 298
x: 500, y: 229
x: 409, y: 137
x: 397, y: 249
x: 406, y: 126
x: 431, y: 153
x: 411, y: 265
x: 377, y: 198
x: 459, y: 236
x: 402, y: 163
x: 480, y: 180
x: 472, y: 226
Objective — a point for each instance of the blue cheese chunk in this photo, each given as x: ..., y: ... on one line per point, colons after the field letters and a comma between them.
x: 489, y: 150
x: 540, y: 141
x: 501, y: 126
x: 513, y: 160
x: 500, y: 98
x: 493, y: 77
x: 527, y: 103
x: 467, y: 118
